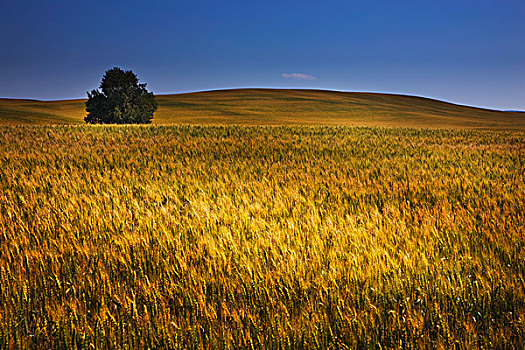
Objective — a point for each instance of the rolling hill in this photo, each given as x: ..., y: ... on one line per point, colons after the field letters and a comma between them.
x: 282, y: 107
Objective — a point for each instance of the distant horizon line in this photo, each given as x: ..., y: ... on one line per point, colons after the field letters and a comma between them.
x: 283, y: 88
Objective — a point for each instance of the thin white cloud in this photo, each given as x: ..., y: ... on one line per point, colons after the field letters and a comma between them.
x: 297, y: 76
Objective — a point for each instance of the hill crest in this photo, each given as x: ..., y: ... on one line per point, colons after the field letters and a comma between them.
x: 259, y: 106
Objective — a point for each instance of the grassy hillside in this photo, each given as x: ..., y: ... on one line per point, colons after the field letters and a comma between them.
x: 233, y: 237
x: 13, y: 112
x: 283, y: 107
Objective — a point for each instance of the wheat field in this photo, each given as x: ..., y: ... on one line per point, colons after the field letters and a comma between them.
x: 277, y: 107
x: 223, y: 237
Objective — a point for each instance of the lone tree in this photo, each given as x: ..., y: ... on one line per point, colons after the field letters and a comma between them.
x: 122, y: 100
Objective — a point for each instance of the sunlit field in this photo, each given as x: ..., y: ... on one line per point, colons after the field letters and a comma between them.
x: 282, y: 107
x: 203, y: 237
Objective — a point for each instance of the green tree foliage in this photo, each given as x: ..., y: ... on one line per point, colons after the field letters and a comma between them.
x: 120, y: 100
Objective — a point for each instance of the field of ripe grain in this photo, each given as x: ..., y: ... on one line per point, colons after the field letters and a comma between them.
x: 265, y: 237
x: 282, y: 107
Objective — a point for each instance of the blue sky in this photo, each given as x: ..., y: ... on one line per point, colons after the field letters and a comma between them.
x: 463, y: 51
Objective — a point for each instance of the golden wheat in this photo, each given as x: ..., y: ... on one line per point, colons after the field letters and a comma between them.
x: 261, y: 237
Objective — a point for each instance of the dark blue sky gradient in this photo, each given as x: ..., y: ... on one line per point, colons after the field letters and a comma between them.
x: 464, y: 51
